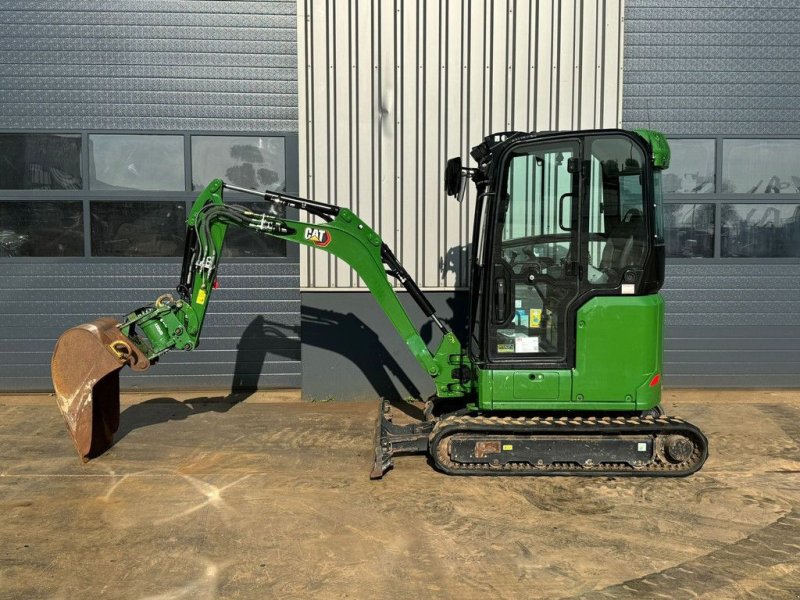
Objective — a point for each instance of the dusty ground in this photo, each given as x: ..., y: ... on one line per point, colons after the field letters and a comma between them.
x: 204, y: 500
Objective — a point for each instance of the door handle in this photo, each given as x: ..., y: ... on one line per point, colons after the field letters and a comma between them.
x: 500, y: 296
x: 561, y: 211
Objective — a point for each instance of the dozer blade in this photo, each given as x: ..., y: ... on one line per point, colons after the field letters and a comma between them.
x: 85, y: 368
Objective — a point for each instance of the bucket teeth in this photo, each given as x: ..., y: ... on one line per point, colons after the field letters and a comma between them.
x: 85, y: 369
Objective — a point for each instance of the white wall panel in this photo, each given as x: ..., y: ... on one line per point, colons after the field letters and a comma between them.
x: 389, y: 90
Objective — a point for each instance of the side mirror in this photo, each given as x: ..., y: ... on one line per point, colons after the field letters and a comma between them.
x: 453, y: 177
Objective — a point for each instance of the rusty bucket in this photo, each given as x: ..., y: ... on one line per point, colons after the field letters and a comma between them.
x: 85, y: 368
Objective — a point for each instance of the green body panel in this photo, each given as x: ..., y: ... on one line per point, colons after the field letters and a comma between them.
x: 658, y: 143
x: 618, y: 352
x: 523, y: 389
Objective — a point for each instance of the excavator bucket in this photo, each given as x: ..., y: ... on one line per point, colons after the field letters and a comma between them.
x: 85, y: 368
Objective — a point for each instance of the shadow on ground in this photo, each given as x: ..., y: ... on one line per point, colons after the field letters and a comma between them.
x: 322, y: 328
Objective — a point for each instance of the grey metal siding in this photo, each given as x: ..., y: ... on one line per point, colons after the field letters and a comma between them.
x: 714, y: 67
x: 252, y: 325
x: 152, y: 66
x: 732, y: 325
x: 161, y: 64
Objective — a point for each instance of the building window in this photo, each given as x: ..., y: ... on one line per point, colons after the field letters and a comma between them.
x: 691, y: 169
x: 136, y: 162
x: 40, y: 161
x: 760, y: 230
x: 32, y: 228
x: 689, y: 230
x: 252, y: 162
x: 96, y: 194
x: 137, y: 228
x: 751, y: 166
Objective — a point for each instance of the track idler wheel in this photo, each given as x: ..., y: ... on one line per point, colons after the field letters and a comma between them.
x: 85, y: 369
x: 678, y: 448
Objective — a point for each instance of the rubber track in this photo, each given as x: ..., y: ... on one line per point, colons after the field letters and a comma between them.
x: 553, y: 426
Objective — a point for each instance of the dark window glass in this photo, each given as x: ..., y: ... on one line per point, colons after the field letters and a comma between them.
x: 40, y: 161
x: 617, y: 230
x: 691, y: 167
x: 136, y: 162
x: 257, y: 163
x: 658, y: 205
x: 752, y: 166
x: 689, y: 230
x: 41, y: 228
x: 138, y: 228
x: 760, y: 230
x: 247, y: 242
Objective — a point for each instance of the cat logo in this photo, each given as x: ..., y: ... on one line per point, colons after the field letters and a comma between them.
x: 319, y: 237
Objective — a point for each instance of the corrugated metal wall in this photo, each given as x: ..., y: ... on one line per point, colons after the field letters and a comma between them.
x: 716, y: 67
x: 732, y: 325
x: 252, y: 327
x: 160, y: 64
x: 389, y: 90
x: 706, y: 67
x: 151, y: 66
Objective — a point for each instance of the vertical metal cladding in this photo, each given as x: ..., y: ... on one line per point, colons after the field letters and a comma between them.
x: 389, y: 90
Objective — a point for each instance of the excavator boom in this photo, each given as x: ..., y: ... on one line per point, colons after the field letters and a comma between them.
x: 87, y: 359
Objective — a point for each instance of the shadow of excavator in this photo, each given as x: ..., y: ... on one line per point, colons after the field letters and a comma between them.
x: 262, y: 337
x: 257, y: 340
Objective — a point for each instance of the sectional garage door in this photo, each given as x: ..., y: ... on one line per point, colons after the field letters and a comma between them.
x: 722, y: 80
x: 112, y: 115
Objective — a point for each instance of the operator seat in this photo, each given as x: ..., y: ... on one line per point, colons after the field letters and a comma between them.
x: 625, y: 244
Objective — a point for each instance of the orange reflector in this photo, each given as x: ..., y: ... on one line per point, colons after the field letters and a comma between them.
x: 654, y: 381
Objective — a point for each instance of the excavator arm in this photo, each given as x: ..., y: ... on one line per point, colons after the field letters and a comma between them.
x: 87, y: 359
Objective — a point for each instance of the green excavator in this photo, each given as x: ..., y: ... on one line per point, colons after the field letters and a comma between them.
x: 560, y: 370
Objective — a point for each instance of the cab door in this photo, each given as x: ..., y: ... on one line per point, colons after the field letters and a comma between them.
x: 535, y: 267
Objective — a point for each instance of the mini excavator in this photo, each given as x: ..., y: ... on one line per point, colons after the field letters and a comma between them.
x: 560, y: 371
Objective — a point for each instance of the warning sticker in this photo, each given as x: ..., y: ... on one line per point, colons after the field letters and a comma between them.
x: 201, y: 297
x: 536, y: 317
x: 526, y: 344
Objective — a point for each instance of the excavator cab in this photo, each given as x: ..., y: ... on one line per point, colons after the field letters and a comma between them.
x: 567, y: 227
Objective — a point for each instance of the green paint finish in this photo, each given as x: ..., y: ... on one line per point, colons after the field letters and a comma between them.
x: 212, y: 194
x: 522, y: 389
x: 659, y: 146
x: 536, y: 386
x: 619, y: 351
x: 528, y: 389
x: 347, y: 237
x: 484, y: 384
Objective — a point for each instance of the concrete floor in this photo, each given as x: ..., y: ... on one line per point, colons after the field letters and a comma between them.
x: 262, y: 499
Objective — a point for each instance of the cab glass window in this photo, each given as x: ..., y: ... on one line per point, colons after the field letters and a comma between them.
x: 617, y: 228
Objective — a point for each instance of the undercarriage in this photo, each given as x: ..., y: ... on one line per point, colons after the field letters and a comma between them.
x: 484, y: 444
